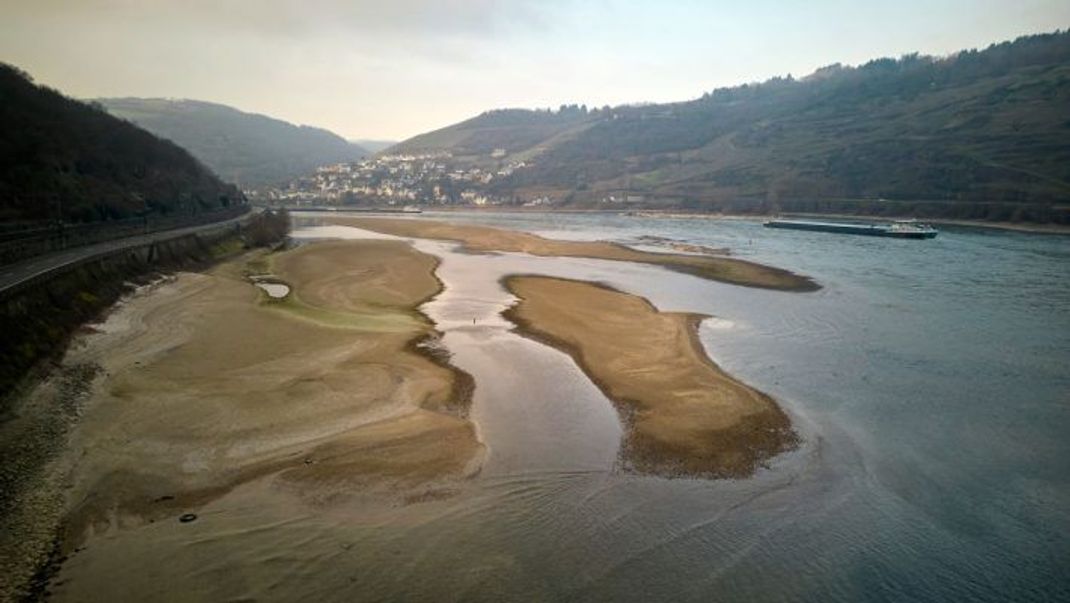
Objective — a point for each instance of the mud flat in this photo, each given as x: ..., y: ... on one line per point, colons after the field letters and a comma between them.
x: 486, y: 239
x: 332, y: 394
x: 683, y: 415
x: 326, y: 389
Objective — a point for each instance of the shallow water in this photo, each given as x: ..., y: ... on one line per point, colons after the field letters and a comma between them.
x: 274, y: 290
x: 928, y: 379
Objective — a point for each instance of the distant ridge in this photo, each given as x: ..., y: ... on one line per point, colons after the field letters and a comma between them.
x: 979, y: 135
x: 249, y: 149
x: 64, y: 159
x: 374, y: 146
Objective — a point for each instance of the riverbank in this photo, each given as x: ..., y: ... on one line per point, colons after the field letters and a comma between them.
x: 486, y: 239
x: 45, y: 299
x: 683, y: 415
x: 207, y: 384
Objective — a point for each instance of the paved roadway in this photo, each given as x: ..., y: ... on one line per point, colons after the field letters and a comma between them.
x: 14, y: 275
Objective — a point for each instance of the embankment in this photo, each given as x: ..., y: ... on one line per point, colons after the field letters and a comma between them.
x: 37, y: 316
x: 41, y: 398
x: 203, y: 385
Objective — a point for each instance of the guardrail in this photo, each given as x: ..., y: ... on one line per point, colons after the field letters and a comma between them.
x: 133, y: 245
x: 23, y: 244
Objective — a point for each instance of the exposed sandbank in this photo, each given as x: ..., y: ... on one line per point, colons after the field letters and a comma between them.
x: 487, y: 239
x: 211, y: 383
x: 683, y: 415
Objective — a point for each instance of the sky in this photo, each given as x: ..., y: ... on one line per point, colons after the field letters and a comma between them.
x: 391, y: 69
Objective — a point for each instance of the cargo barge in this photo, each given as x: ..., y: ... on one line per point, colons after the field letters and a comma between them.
x: 903, y: 229
x: 408, y: 209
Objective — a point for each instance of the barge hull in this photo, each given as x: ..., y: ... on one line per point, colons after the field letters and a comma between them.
x: 855, y: 229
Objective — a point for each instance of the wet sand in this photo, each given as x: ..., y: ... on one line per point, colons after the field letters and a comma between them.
x: 334, y: 400
x: 683, y: 415
x: 328, y: 394
x: 486, y: 239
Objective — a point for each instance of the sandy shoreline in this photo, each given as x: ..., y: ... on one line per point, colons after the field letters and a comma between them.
x: 683, y: 415
x: 486, y: 239
x: 207, y: 384
x: 339, y: 395
x: 246, y: 386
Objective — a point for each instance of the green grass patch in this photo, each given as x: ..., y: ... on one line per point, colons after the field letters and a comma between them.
x: 374, y: 320
x: 227, y: 247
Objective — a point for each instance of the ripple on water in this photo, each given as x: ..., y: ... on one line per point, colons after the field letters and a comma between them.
x: 892, y: 405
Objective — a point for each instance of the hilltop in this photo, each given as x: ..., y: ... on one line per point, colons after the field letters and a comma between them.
x: 978, y: 134
x: 60, y: 157
x: 250, y: 149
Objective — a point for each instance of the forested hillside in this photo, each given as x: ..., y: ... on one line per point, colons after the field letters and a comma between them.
x: 64, y: 158
x: 248, y: 149
x: 515, y: 131
x: 980, y: 134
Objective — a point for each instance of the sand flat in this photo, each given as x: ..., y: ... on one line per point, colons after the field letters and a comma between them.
x: 487, y: 239
x: 683, y: 415
x: 210, y: 386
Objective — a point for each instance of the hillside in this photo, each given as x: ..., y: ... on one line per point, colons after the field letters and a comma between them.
x: 61, y: 157
x: 519, y: 132
x: 249, y: 149
x: 980, y: 134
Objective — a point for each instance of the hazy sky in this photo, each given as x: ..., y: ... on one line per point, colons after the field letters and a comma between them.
x: 395, y: 68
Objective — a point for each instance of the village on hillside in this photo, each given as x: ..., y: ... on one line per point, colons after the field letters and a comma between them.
x: 397, y: 180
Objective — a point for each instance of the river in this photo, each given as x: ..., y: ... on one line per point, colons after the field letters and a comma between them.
x: 929, y: 381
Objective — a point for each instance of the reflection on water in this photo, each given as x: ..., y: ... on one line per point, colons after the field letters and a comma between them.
x: 274, y: 290
x: 928, y: 380
x: 535, y: 411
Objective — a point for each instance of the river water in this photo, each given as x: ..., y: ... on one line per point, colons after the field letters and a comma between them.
x: 929, y: 380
